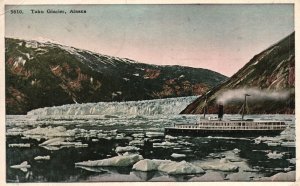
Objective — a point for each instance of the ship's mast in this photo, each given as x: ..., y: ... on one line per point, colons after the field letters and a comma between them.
x: 244, y: 106
x: 205, y: 107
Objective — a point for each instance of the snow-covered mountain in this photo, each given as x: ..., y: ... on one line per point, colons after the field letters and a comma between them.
x: 43, y: 74
x: 269, y: 78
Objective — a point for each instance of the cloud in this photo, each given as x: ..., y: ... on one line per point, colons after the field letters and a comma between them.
x: 255, y: 95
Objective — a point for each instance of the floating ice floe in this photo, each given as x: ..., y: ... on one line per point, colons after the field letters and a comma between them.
x: 118, y: 161
x: 138, y: 135
x: 58, y: 143
x: 287, y: 169
x: 137, y: 142
x: 288, y: 144
x: 154, y: 134
x: 42, y: 157
x: 221, y: 165
x: 101, y: 135
x: 175, y: 155
x: 167, y: 166
x: 23, y: 166
x: 236, y: 151
x: 274, y: 155
x: 14, y: 132
x: 257, y: 141
x: 182, y: 167
x: 165, y: 144
x: 289, y: 176
x: 273, y: 144
x: 209, y: 176
x: 92, y: 169
x: 126, y: 149
x: 185, y: 143
x: 292, y: 161
x: 19, y: 145
x: 120, y: 136
x: 47, y: 132
x: 170, y: 137
x: 239, y: 176
x: 149, y: 165
x: 53, y: 142
x: 269, y: 139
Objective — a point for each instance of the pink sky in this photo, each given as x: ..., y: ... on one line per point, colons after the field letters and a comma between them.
x: 221, y: 38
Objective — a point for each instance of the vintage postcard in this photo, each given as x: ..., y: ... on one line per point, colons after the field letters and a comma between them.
x: 139, y: 92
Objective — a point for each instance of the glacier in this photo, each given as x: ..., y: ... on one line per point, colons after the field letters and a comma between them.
x: 168, y: 106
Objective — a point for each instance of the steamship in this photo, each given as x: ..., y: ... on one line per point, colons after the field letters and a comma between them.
x: 232, y: 127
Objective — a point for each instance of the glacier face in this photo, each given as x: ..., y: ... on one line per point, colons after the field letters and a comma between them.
x: 168, y: 106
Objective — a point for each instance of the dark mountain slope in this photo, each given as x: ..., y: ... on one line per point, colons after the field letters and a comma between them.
x: 47, y: 74
x: 269, y: 76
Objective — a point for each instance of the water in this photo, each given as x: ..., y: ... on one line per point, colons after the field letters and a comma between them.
x: 104, y: 133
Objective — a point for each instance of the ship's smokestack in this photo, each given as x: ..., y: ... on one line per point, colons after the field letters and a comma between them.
x: 221, y: 112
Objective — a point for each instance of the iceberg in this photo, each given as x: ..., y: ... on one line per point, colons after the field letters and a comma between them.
x: 117, y: 161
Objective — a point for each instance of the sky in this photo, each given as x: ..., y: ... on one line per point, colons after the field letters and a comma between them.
x: 222, y: 38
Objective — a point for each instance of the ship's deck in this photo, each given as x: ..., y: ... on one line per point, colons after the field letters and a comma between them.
x: 233, y: 125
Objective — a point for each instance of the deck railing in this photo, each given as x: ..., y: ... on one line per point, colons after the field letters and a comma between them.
x: 235, y: 126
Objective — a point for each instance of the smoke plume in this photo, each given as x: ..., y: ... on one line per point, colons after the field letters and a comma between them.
x: 255, y: 95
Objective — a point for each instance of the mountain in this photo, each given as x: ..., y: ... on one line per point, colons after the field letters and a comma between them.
x: 269, y: 79
x: 42, y: 74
